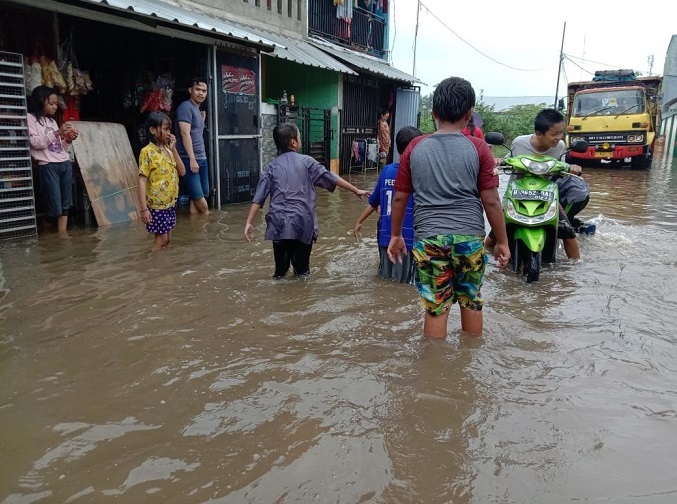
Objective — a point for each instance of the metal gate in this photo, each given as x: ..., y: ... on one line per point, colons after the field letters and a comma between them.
x: 315, y: 127
x: 359, y: 116
x: 316, y: 134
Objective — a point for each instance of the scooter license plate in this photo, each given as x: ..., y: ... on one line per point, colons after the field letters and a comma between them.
x: 533, y: 194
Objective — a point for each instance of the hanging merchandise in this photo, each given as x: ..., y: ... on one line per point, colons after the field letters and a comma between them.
x: 51, y: 76
x: 82, y: 83
x: 77, y: 82
x: 159, y: 96
x: 32, y: 76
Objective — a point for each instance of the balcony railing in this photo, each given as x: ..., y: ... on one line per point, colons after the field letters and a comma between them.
x: 365, y: 32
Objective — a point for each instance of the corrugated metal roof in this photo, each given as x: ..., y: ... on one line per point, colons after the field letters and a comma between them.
x: 182, y: 16
x: 367, y: 63
x: 301, y: 51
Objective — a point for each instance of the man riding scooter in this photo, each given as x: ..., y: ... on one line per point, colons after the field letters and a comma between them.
x: 574, y: 191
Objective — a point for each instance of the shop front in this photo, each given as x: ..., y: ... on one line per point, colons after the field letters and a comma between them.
x: 116, y: 65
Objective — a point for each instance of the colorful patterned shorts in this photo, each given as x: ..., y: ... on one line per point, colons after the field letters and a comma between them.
x: 162, y: 221
x: 450, y: 268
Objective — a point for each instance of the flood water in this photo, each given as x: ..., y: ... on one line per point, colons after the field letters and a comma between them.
x: 191, y: 376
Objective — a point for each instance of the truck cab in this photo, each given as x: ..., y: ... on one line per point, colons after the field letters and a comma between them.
x: 617, y: 115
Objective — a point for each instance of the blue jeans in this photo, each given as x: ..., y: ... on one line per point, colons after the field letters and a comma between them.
x: 197, y: 184
x: 56, y: 181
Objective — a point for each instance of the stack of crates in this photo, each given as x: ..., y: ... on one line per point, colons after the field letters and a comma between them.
x: 17, y: 198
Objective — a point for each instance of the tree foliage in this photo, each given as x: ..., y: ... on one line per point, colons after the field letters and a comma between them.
x: 425, y: 114
x: 512, y: 122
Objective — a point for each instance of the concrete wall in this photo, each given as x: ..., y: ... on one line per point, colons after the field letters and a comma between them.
x: 268, y: 122
x: 286, y: 16
x: 669, y: 85
x: 668, y: 130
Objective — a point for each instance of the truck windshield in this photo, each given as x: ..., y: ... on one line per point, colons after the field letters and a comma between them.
x: 609, y: 102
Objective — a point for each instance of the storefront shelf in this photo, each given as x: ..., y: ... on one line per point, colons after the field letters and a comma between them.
x: 17, y: 198
x: 17, y: 209
x: 11, y: 59
x: 18, y: 231
x: 20, y: 199
x: 20, y: 218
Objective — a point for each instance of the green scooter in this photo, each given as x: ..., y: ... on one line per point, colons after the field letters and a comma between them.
x: 531, y: 207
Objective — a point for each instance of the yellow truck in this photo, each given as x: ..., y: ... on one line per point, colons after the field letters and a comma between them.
x: 618, y: 114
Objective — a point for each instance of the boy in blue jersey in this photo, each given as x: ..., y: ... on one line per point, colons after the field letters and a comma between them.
x: 381, y: 198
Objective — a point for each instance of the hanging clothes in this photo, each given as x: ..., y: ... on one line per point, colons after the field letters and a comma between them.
x: 344, y: 12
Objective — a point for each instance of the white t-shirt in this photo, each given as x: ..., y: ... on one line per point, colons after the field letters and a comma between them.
x: 522, y: 145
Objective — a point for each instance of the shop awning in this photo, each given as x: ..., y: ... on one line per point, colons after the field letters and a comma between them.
x: 367, y: 63
x: 302, y: 52
x: 156, y: 16
x: 175, y: 14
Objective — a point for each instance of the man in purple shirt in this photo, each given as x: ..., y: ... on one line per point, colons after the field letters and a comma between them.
x: 290, y: 181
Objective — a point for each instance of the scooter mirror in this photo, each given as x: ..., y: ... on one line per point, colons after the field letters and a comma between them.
x: 580, y: 146
x: 494, y: 138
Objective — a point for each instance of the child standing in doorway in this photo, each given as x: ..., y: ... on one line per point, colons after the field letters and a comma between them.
x: 49, y: 144
x: 159, y: 169
x: 290, y: 181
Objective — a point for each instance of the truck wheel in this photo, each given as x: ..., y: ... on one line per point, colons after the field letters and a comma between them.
x: 533, y: 266
x: 640, y: 162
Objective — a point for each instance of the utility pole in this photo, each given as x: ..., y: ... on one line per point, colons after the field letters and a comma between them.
x: 418, y: 10
x: 561, y: 60
x: 649, y: 60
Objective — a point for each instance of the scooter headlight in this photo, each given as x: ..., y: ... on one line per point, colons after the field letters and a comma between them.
x: 538, y: 167
x: 535, y: 220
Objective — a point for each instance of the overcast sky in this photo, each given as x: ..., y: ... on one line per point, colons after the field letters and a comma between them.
x: 516, y: 44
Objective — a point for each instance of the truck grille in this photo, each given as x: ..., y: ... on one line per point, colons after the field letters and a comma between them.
x: 601, y: 138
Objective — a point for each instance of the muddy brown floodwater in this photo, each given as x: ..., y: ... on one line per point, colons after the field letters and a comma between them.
x: 192, y: 376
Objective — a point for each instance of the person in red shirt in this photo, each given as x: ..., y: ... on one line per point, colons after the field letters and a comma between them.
x: 454, y: 183
x: 471, y: 129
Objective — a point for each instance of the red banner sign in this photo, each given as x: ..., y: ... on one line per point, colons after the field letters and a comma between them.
x: 238, y: 80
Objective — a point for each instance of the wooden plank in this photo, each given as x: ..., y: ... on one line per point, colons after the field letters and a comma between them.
x: 109, y: 170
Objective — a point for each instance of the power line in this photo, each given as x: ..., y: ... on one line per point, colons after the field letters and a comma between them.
x: 566, y: 56
x: 583, y: 60
x: 475, y: 48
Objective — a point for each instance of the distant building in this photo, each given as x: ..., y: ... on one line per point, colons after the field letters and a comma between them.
x: 668, y: 127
